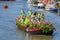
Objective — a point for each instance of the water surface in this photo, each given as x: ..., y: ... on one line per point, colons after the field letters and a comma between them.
x: 9, y: 30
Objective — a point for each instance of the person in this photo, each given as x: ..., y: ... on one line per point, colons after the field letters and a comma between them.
x: 30, y: 12
x: 21, y: 19
x: 22, y: 12
x: 45, y: 1
x: 35, y: 14
x: 38, y: 14
x: 26, y: 20
x: 41, y: 16
x: 40, y: 1
x: 29, y: 1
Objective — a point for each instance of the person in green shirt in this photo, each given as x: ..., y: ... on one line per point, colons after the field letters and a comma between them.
x: 26, y: 21
x: 21, y: 20
x: 41, y: 16
x: 30, y: 12
x: 22, y: 12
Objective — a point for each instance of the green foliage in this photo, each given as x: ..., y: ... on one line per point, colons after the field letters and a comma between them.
x: 22, y: 12
x: 29, y: 12
x: 21, y: 20
x: 45, y: 28
x: 56, y: 0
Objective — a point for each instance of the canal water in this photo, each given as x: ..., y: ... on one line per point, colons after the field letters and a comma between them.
x: 9, y: 30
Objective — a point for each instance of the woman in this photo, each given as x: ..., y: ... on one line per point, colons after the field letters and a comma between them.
x: 45, y: 1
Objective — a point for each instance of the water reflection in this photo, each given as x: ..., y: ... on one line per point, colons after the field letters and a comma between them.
x: 27, y: 36
x: 38, y: 37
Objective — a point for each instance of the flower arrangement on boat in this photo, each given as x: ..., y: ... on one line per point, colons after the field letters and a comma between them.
x: 34, y: 22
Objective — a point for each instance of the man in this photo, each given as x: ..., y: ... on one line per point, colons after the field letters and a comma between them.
x: 30, y: 12
x: 26, y: 20
x: 21, y: 19
x: 29, y: 1
x: 45, y: 1
x: 22, y: 12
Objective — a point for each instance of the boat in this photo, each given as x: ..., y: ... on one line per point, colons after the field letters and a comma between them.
x: 51, y: 6
x: 51, y: 9
x: 5, y: 6
x: 39, y: 5
x: 36, y: 28
x: 54, y: 9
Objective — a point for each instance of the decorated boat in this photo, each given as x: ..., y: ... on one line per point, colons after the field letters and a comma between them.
x: 34, y: 23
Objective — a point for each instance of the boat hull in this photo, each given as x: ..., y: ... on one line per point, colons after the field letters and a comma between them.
x: 54, y: 9
x: 32, y: 30
x: 40, y: 32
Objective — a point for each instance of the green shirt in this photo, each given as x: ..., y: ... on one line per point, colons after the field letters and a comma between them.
x: 22, y: 12
x: 21, y: 20
x: 26, y: 21
x: 38, y: 15
x: 41, y: 16
x: 30, y: 13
